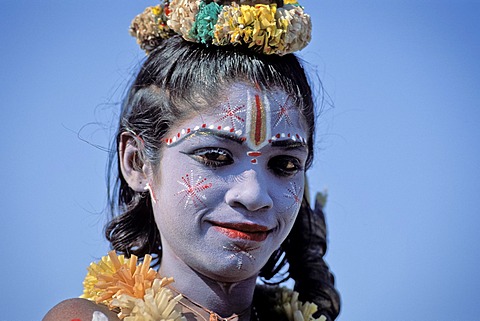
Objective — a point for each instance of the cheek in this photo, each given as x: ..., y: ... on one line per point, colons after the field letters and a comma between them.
x: 184, y: 194
x: 288, y: 199
x: 192, y: 189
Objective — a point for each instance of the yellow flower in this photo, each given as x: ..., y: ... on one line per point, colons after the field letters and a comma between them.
x: 157, y: 10
x: 228, y: 29
x: 264, y: 27
x: 296, y: 310
x: 114, y: 275
x: 260, y: 18
x: 158, y: 303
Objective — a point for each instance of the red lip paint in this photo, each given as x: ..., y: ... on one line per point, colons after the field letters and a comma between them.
x: 250, y: 232
x: 235, y: 234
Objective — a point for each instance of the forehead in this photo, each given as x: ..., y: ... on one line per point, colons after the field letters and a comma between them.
x: 253, y: 116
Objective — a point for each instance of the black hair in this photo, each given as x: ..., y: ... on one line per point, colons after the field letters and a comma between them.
x: 177, y: 79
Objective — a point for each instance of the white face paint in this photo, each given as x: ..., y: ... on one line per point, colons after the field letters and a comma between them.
x: 230, y: 183
x: 99, y: 316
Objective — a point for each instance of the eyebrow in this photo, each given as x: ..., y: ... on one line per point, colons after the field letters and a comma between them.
x: 210, y: 132
x: 290, y: 144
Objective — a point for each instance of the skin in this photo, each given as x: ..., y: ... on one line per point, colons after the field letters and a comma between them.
x: 220, y: 215
x: 79, y: 309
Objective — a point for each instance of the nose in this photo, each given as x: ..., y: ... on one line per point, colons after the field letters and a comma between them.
x: 249, y: 191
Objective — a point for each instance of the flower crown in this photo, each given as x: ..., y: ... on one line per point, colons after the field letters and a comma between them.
x: 265, y: 26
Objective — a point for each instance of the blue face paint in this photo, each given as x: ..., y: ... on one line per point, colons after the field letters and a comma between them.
x: 230, y: 183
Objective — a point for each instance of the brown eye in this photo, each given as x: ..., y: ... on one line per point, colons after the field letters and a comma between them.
x: 221, y: 157
x: 285, y: 165
x: 290, y: 166
x: 212, y: 157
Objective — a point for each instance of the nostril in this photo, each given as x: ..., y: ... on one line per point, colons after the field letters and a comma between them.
x: 250, y: 192
x: 238, y: 205
x: 250, y: 200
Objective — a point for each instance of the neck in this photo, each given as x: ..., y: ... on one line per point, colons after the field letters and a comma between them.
x: 223, y: 298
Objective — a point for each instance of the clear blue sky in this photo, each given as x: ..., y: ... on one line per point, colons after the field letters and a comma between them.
x: 399, y: 152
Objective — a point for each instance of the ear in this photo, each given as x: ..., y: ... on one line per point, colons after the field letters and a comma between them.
x: 135, y: 169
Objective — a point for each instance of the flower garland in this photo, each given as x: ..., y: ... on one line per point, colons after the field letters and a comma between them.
x: 136, y: 292
x: 264, y: 28
x: 296, y: 310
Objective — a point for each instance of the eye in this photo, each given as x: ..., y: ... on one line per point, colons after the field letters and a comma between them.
x: 285, y: 165
x: 212, y: 157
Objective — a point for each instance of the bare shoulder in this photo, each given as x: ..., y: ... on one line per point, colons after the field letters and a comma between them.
x: 80, y: 310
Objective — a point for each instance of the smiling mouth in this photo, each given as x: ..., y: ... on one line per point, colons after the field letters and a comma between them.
x: 245, y: 231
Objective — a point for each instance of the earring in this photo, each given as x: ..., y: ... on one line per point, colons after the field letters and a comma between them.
x: 149, y: 188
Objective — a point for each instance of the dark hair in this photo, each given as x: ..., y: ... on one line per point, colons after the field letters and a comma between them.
x: 177, y: 79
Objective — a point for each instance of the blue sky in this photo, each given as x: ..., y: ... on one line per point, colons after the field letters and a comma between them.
x: 398, y: 152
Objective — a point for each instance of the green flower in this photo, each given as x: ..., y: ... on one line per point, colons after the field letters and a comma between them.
x: 205, y: 21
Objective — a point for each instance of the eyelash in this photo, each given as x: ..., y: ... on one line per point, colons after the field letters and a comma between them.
x: 204, y: 156
x: 282, y: 165
x: 285, y: 166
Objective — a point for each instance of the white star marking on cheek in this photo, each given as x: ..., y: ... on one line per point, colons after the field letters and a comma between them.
x: 239, y: 253
x: 193, y: 189
x: 294, y: 194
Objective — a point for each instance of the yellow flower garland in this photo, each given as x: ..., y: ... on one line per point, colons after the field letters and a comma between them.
x: 136, y: 292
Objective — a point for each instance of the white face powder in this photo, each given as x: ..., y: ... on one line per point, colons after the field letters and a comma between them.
x: 99, y: 316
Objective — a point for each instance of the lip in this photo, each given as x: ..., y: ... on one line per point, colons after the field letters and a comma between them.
x: 244, y: 231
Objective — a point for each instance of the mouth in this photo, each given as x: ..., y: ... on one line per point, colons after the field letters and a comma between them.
x: 245, y: 231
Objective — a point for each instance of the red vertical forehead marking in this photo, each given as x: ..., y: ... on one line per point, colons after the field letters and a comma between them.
x: 259, y: 118
x: 258, y: 121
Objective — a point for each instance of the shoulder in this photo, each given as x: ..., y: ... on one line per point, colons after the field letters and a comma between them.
x: 80, y: 310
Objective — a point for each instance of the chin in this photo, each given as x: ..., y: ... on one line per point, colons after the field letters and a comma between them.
x: 233, y: 276
x: 231, y: 270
